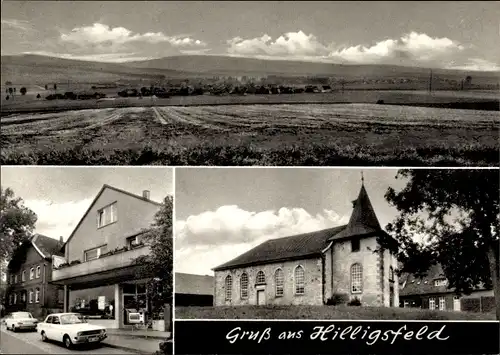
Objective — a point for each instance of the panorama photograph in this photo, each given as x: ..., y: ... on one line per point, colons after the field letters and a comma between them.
x: 86, y: 260
x: 231, y: 83
x: 331, y: 243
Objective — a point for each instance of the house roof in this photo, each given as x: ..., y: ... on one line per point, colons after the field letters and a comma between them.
x: 410, y: 285
x: 104, y: 187
x: 297, y: 246
x: 46, y: 246
x: 194, y: 284
x: 363, y: 218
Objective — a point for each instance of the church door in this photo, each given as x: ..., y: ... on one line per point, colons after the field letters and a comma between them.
x: 261, y: 298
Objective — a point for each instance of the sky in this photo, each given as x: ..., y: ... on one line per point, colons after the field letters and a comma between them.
x: 448, y: 34
x: 222, y: 213
x: 61, y: 195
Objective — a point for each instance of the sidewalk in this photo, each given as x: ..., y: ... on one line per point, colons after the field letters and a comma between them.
x: 139, y: 341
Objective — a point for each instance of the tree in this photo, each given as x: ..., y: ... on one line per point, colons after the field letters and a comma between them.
x: 457, y: 213
x: 23, y: 91
x: 468, y: 80
x: 17, y: 223
x: 157, y: 267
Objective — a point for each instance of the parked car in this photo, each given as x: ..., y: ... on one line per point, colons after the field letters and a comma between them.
x: 70, y: 329
x: 20, y: 320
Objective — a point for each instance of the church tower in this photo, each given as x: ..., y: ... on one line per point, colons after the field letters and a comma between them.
x: 360, y: 268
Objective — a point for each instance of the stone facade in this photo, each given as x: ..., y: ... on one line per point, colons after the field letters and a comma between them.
x: 312, y: 292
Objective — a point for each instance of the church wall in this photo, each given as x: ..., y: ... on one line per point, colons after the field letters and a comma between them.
x: 313, y: 284
x: 343, y: 258
x: 390, y: 260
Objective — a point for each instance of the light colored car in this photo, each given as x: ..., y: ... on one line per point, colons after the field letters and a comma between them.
x: 70, y: 329
x: 20, y: 321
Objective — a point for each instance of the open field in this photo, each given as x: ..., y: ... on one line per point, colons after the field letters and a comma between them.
x: 324, y: 312
x: 310, y: 134
x: 457, y: 99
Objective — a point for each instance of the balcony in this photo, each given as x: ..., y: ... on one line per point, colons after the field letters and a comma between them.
x: 105, y: 263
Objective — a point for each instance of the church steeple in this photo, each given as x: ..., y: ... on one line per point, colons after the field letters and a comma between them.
x: 363, y: 218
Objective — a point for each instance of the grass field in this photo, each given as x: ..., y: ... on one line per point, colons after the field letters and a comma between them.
x: 324, y: 312
x: 294, y: 134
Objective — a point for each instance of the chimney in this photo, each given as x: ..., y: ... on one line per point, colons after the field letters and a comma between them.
x: 145, y: 194
x: 61, y: 239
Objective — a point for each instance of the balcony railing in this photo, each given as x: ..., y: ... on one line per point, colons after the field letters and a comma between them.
x: 104, y: 263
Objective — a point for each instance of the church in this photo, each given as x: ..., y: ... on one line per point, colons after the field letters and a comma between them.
x: 309, y: 269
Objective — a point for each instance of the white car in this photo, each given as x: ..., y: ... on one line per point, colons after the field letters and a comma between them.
x: 70, y: 329
x: 20, y: 320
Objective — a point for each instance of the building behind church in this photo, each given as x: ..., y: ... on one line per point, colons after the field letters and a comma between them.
x: 344, y: 262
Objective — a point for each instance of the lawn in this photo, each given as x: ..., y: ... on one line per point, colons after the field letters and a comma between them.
x: 272, y: 134
x: 324, y: 312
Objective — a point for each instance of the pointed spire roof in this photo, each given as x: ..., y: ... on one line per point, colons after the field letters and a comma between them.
x: 363, y: 218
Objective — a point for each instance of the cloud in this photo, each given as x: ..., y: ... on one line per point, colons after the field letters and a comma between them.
x: 289, y: 44
x: 416, y: 47
x: 16, y: 24
x: 413, y: 49
x: 57, y: 219
x: 213, y: 237
x: 101, y: 34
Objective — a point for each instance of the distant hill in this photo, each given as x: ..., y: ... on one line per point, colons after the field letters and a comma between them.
x: 222, y: 65
x: 43, y: 69
x: 37, y: 69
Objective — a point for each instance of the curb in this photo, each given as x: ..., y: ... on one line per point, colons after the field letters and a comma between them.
x: 122, y: 348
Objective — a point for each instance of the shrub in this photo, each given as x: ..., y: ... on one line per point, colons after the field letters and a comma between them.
x: 166, y: 348
x: 354, y: 302
x: 337, y: 299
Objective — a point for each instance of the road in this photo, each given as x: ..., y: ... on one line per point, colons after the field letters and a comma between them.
x: 31, y: 343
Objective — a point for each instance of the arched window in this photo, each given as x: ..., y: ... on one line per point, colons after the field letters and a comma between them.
x: 23, y: 277
x: 31, y: 296
x: 299, y: 280
x: 11, y: 298
x: 38, y: 272
x: 37, y: 295
x: 279, y: 280
x: 32, y: 274
x: 15, y: 298
x: 229, y: 287
x: 356, y: 278
x: 244, y: 286
x: 261, y: 278
x: 23, y: 296
x: 391, y: 274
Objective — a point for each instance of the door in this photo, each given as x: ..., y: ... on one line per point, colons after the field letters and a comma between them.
x: 47, y: 326
x: 456, y: 303
x: 261, y: 298
x: 55, y: 329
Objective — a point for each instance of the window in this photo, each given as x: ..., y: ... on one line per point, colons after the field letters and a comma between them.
x: 134, y: 241
x: 229, y: 287
x: 261, y: 278
x: 11, y: 298
x: 106, y: 215
x: 279, y: 279
x: 355, y: 244
x: 37, y: 295
x: 442, y: 304
x: 440, y: 282
x: 15, y: 298
x: 31, y: 296
x: 49, y: 319
x: 356, y: 278
x: 15, y: 278
x: 23, y: 296
x: 32, y: 274
x: 95, y: 253
x: 244, y: 286
x: 38, y: 272
x: 391, y: 274
x: 23, y: 276
x: 299, y: 280
x: 406, y: 304
x: 55, y: 320
x: 456, y: 303
x: 432, y: 304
